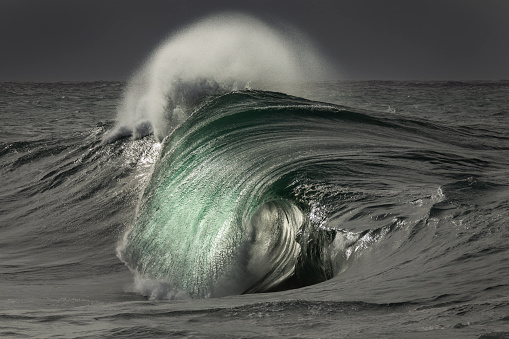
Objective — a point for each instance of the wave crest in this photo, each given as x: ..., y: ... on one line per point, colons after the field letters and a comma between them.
x: 219, y: 54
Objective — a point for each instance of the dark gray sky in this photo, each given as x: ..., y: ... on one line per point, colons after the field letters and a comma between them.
x: 55, y: 40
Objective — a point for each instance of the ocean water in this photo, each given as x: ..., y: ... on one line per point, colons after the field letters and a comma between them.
x: 230, y: 188
x: 346, y: 209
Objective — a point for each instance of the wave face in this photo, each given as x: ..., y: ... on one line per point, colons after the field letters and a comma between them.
x: 216, y: 55
x: 218, y: 216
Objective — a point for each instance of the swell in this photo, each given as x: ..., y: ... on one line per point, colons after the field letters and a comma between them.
x: 65, y: 199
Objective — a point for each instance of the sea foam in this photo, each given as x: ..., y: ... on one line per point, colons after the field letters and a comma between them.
x: 219, y: 54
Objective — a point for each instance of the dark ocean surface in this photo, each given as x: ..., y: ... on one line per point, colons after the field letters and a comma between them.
x: 344, y: 210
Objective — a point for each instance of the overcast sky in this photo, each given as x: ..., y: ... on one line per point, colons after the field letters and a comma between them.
x: 50, y: 40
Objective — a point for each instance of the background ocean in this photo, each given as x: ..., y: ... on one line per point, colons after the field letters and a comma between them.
x: 385, y: 205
